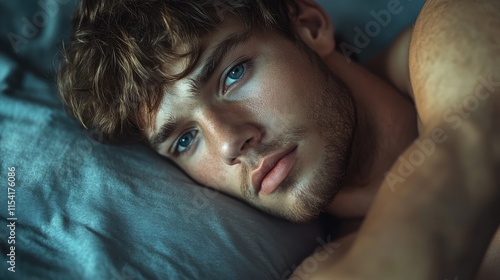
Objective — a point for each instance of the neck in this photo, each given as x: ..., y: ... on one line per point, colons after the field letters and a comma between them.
x: 386, y: 126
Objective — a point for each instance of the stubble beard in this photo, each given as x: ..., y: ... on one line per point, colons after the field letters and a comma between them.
x: 334, y: 114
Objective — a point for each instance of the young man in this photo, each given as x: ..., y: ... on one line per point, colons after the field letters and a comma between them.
x: 251, y: 98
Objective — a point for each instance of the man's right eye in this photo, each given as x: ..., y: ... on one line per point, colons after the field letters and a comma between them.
x: 185, y: 141
x: 234, y: 74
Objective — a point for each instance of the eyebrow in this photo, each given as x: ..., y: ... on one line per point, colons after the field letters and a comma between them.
x: 207, y: 70
x: 166, y: 130
x: 215, y: 58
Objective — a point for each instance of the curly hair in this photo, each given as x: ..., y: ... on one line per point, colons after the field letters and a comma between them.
x: 113, y: 71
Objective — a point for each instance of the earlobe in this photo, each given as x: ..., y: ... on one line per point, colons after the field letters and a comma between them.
x: 314, y: 27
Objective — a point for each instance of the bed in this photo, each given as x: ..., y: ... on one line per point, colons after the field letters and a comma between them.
x: 85, y: 210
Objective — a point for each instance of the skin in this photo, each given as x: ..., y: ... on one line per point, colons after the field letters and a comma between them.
x: 283, y: 99
x: 465, y: 193
x: 234, y: 130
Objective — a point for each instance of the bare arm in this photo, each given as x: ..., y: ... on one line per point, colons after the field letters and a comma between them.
x: 434, y: 222
x: 440, y: 220
x: 455, y: 54
x: 435, y: 218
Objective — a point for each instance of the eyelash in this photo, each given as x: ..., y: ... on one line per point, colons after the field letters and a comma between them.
x: 177, y: 144
x: 247, y: 64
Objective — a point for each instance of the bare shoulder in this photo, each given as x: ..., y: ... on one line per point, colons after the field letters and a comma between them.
x: 454, y: 53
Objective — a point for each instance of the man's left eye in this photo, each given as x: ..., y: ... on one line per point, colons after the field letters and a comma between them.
x: 234, y: 74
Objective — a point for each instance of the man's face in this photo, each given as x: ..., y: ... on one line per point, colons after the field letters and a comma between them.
x: 265, y: 124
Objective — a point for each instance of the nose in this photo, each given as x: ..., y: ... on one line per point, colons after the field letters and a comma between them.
x: 231, y: 134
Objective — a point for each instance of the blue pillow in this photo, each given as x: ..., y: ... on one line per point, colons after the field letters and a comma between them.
x: 91, y: 211
x: 86, y: 210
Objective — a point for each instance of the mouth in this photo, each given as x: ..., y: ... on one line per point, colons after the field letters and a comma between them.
x: 273, y: 170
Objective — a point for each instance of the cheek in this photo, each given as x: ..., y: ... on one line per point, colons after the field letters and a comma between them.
x: 208, y: 171
x: 280, y: 92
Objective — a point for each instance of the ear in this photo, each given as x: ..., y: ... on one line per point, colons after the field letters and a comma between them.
x: 314, y: 27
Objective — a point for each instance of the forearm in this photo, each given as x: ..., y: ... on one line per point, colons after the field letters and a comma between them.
x: 437, y: 211
x: 436, y: 221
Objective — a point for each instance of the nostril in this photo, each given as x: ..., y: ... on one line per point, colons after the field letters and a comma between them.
x: 233, y: 161
x: 247, y: 144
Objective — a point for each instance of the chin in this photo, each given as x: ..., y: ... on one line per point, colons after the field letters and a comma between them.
x: 299, y: 203
x: 297, y: 213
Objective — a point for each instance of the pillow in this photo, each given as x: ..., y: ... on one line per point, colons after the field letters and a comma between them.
x: 91, y: 211
x: 364, y: 27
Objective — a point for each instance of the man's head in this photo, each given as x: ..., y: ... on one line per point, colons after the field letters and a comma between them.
x: 234, y: 92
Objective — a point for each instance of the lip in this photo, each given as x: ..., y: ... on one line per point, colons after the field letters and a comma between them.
x: 273, y: 170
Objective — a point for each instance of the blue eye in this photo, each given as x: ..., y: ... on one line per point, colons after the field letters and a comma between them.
x: 234, y: 74
x: 185, y: 141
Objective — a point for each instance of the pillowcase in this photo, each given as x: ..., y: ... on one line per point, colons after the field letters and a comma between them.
x: 86, y: 210
x: 91, y: 211
x: 364, y: 28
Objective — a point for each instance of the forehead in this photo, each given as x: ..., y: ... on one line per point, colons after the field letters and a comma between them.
x: 230, y: 27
